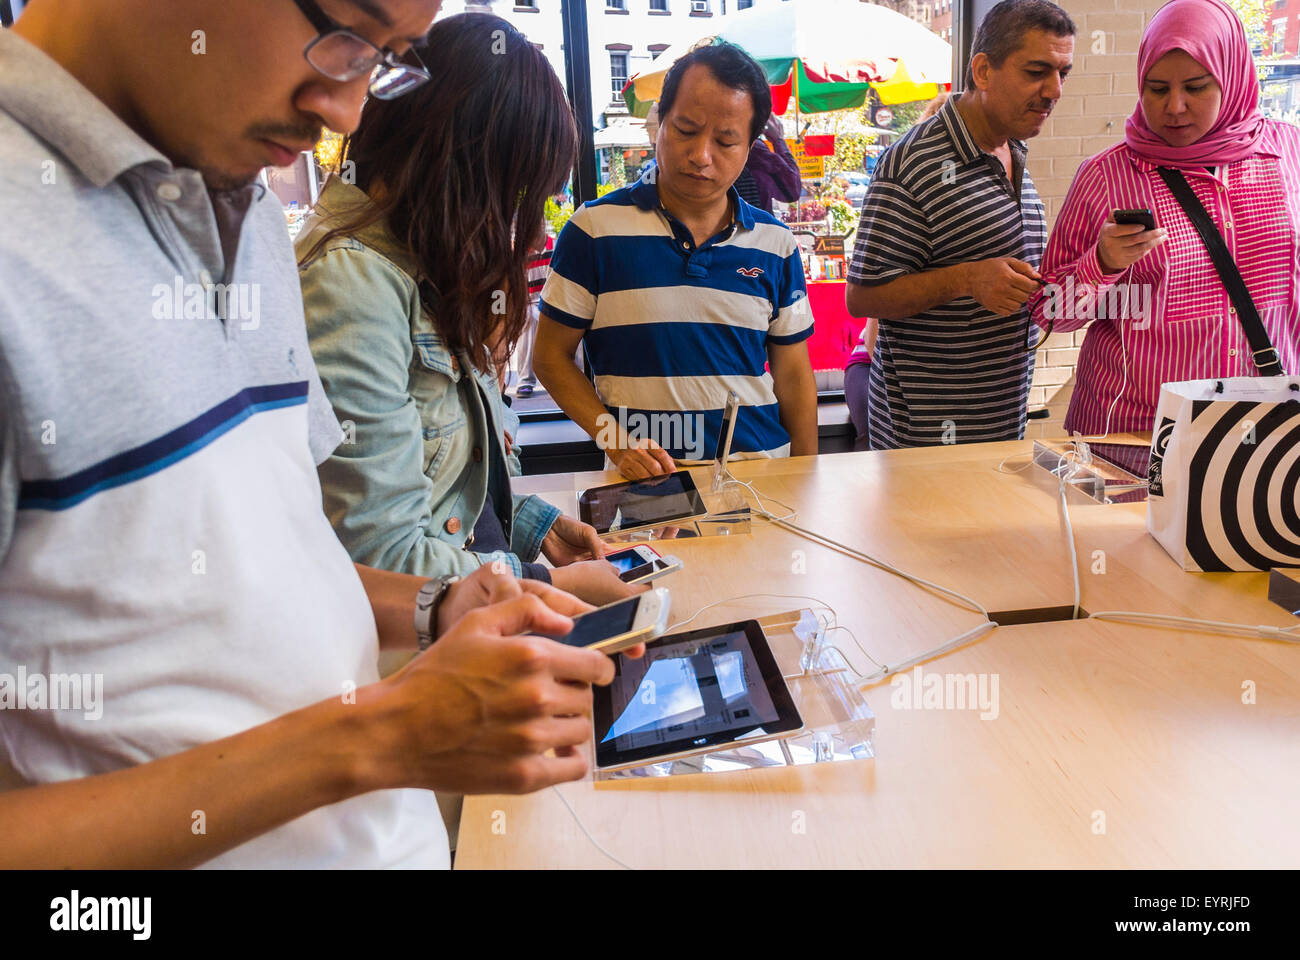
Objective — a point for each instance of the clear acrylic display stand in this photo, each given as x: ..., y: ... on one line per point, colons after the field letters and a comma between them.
x: 838, y: 724
x: 1093, y: 475
x: 729, y: 516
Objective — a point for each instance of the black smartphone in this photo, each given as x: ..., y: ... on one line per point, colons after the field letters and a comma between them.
x: 1144, y: 217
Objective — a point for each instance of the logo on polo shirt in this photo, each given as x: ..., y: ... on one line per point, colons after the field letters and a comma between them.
x: 750, y: 271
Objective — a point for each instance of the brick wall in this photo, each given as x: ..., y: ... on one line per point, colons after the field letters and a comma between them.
x: 1099, y: 96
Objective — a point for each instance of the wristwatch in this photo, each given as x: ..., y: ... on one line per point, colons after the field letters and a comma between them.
x: 427, y: 602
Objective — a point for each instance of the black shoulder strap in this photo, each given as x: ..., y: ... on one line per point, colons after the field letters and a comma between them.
x: 1266, y: 357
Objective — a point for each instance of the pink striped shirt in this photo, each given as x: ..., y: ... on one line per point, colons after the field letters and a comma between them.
x: 1191, y: 330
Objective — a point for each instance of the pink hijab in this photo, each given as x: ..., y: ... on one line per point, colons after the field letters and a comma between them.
x: 1210, y: 32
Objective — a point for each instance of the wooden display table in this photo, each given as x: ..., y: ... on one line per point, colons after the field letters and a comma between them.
x: 1113, y: 745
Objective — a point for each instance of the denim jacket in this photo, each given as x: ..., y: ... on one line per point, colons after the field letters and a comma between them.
x: 421, y: 423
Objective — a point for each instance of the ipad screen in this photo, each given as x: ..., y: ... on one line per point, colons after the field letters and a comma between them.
x: 706, y: 687
x: 643, y: 503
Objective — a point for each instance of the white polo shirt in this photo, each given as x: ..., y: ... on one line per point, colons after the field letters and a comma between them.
x: 160, y: 517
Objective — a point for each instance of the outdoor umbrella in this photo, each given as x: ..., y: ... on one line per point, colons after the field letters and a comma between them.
x: 825, y: 53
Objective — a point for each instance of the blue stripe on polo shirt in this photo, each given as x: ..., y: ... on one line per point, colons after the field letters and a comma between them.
x: 634, y: 263
x: 677, y: 349
x: 755, y: 429
x: 158, y: 454
x: 559, y: 316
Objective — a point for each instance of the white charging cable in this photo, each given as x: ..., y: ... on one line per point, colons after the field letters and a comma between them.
x: 587, y: 833
x: 857, y: 554
x: 1123, y: 347
x: 823, y: 540
x: 860, y: 679
x: 1263, y: 631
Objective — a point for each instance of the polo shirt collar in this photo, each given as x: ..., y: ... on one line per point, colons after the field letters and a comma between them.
x: 967, y: 149
x: 55, y: 106
x: 645, y: 195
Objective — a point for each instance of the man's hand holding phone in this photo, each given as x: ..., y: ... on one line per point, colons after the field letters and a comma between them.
x: 479, y: 711
x: 491, y: 707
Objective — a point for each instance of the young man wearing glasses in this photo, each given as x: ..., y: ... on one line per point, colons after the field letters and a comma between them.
x: 161, y: 533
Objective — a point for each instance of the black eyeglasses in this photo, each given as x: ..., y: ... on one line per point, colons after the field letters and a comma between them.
x: 342, y: 55
x: 1029, y: 331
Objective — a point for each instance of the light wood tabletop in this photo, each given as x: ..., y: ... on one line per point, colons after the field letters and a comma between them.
x: 1112, y: 745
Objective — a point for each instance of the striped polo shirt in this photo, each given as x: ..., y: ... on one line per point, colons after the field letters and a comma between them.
x: 671, y: 327
x: 955, y: 373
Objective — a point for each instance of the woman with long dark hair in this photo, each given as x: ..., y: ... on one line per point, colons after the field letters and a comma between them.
x: 413, y: 277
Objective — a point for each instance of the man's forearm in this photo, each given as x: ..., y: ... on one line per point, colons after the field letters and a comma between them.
x: 392, y: 599
x: 800, y: 421
x: 570, y: 389
x: 238, y: 788
x: 908, y: 295
x: 795, y: 387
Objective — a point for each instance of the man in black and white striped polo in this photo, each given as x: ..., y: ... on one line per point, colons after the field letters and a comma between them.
x: 952, y: 232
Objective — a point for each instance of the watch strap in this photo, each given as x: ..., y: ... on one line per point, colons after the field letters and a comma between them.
x: 427, y: 603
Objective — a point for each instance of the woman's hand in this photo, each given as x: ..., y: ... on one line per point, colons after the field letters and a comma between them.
x: 1123, y: 244
x: 569, y: 541
x: 595, y: 581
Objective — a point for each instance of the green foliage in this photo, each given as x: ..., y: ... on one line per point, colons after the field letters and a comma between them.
x: 842, y: 215
x: 906, y: 115
x: 850, y: 148
x: 557, y: 213
x: 1257, y: 17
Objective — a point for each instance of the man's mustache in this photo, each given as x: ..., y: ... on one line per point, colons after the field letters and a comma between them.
x: 301, y: 132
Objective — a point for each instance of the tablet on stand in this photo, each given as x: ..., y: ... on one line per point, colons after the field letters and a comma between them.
x: 835, y: 723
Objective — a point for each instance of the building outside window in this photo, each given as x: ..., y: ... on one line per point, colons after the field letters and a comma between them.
x: 659, y: 5
x: 617, y: 71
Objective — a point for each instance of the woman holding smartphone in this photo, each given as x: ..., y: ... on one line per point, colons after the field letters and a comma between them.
x: 1160, y: 311
x: 414, y: 287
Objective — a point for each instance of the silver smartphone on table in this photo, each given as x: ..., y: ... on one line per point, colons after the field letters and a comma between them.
x: 642, y: 563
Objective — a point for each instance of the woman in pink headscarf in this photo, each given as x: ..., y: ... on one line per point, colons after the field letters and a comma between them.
x: 1158, y: 308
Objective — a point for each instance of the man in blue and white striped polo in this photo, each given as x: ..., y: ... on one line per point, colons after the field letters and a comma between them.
x: 681, y: 292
